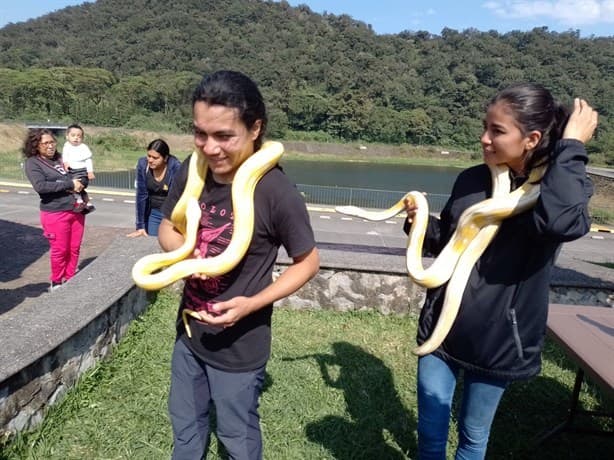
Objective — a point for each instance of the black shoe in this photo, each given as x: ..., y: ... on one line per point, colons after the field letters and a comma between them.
x: 88, y: 208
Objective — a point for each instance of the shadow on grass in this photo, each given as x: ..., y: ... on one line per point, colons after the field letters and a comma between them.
x: 379, y: 425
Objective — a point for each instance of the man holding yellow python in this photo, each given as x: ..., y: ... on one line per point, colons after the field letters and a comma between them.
x: 502, y: 228
x: 232, y: 207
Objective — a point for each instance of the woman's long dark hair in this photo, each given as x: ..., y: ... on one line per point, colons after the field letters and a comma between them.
x: 160, y: 146
x: 534, y: 109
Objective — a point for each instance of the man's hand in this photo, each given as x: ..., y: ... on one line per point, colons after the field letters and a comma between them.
x: 227, y: 313
x: 410, y: 208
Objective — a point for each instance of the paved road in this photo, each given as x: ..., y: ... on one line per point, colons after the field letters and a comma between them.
x: 115, y: 215
x: 24, y: 269
x: 116, y: 209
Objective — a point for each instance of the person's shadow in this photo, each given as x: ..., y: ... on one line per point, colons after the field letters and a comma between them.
x: 22, y: 246
x: 380, y: 426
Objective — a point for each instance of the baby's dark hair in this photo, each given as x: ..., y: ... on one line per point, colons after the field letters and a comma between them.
x: 235, y: 90
x: 535, y: 109
x: 75, y: 126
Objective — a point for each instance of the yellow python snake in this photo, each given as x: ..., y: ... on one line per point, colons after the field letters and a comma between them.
x: 476, y: 228
x: 186, y: 215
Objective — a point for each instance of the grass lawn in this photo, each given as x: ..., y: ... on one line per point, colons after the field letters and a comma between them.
x: 339, y: 386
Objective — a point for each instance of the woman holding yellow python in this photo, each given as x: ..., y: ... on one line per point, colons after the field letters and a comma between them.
x: 498, y: 333
x: 224, y: 321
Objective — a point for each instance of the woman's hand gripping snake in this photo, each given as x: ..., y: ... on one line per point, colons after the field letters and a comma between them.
x: 476, y: 228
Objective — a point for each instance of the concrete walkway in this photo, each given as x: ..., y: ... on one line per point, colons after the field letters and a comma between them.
x: 24, y: 272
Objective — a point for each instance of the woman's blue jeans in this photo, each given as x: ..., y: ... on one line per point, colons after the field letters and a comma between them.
x: 481, y: 396
x: 153, y: 222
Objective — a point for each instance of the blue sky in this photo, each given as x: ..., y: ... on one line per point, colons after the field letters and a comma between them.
x: 591, y: 17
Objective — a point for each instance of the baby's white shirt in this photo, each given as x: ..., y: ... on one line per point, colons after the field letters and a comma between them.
x: 78, y: 156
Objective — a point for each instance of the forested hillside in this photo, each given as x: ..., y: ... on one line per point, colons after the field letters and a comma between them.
x: 120, y: 63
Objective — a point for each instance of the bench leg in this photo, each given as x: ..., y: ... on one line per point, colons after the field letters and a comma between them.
x: 568, y: 424
x: 573, y: 410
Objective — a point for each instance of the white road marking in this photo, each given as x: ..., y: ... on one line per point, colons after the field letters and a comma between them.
x: 23, y: 193
x: 346, y: 218
x: 324, y: 217
x: 129, y: 201
x: 372, y: 232
x: 108, y: 199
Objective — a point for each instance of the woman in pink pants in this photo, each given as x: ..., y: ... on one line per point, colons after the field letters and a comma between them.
x: 62, y: 227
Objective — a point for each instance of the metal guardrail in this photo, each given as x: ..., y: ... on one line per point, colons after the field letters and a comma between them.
x: 362, y: 197
x: 314, y: 194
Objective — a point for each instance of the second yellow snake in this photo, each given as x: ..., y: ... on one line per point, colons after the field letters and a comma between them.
x: 476, y: 228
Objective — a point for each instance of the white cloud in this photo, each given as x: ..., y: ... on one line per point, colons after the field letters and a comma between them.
x: 567, y: 12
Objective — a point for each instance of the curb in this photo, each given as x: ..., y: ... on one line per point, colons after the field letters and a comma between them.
x: 92, y: 190
x: 601, y: 228
x: 98, y: 191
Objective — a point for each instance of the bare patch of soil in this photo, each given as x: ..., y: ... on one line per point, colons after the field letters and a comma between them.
x: 12, y: 136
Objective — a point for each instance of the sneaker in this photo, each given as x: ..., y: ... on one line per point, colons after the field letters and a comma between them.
x: 54, y: 286
x: 88, y: 208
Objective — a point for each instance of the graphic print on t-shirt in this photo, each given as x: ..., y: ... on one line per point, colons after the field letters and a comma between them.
x: 60, y: 168
x: 216, y: 226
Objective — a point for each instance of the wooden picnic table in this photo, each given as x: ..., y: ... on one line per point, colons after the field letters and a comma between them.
x: 586, y: 334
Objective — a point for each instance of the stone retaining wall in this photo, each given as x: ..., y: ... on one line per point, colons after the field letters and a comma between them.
x: 350, y: 290
x: 26, y: 395
x: 49, y: 341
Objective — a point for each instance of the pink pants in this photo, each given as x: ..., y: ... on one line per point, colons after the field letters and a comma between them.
x: 64, y: 231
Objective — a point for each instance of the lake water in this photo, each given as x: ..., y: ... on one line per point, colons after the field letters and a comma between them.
x: 378, y: 176
x: 375, y: 176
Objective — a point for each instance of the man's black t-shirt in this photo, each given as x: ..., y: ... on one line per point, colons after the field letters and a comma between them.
x: 281, y: 218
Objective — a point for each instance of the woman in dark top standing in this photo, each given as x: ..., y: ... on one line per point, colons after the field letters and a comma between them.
x: 498, y: 335
x: 62, y: 227
x: 154, y: 175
